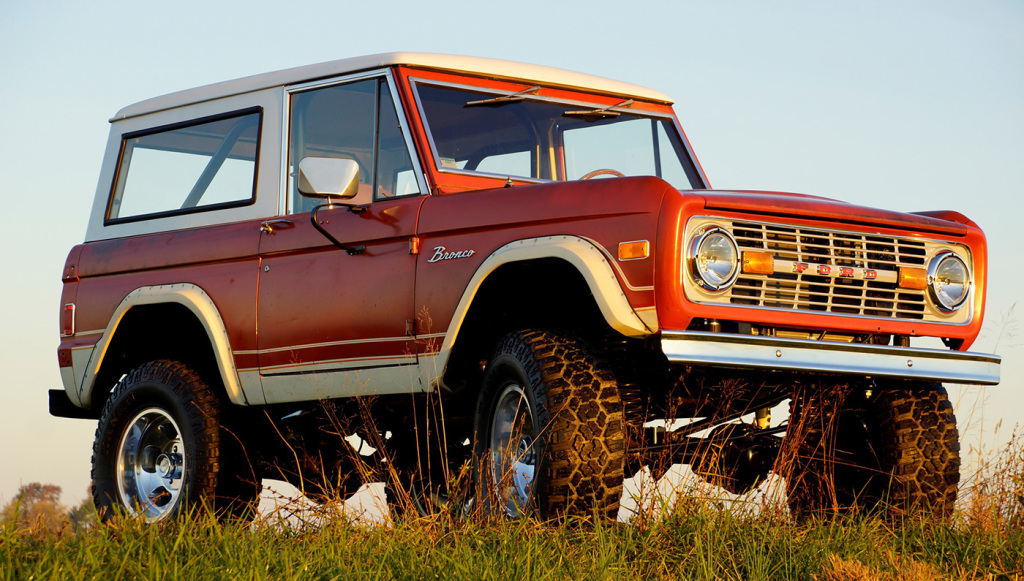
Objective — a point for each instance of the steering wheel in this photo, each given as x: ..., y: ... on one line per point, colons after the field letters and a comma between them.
x: 602, y: 172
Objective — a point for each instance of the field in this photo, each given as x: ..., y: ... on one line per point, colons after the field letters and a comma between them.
x: 695, y: 543
x: 697, y: 539
x: 695, y: 533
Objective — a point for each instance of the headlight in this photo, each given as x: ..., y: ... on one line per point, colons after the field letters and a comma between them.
x: 949, y: 281
x: 714, y: 259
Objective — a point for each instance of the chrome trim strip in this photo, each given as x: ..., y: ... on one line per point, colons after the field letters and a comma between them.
x: 285, y: 186
x: 731, y: 350
x: 404, y: 338
x: 404, y: 125
x: 338, y: 364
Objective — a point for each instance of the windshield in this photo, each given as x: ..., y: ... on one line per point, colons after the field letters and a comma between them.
x: 516, y: 136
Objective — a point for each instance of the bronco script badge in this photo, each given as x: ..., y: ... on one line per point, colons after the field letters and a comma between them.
x: 440, y: 254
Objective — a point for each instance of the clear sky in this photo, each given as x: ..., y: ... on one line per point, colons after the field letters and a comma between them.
x: 907, y: 105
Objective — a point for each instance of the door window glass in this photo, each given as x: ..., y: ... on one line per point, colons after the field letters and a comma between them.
x: 355, y: 121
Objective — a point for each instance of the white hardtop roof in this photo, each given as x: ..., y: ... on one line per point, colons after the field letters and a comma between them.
x: 465, y: 64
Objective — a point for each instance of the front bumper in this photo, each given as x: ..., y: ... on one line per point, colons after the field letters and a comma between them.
x: 771, y: 353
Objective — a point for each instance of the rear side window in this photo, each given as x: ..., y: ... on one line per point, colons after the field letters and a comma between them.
x: 187, y: 167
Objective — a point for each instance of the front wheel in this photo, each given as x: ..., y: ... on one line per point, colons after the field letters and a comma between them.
x: 550, y: 429
x: 895, y: 451
x: 159, y: 448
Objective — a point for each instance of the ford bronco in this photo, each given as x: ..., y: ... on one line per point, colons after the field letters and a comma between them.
x: 500, y: 273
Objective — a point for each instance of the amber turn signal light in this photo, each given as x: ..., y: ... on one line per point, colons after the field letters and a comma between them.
x: 758, y: 263
x: 634, y: 250
x: 913, y: 278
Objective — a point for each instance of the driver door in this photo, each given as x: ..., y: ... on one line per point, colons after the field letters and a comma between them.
x: 333, y: 323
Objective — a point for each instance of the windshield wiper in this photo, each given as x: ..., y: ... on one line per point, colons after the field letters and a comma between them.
x: 599, y: 113
x: 513, y: 98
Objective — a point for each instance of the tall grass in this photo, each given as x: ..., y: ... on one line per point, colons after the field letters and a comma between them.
x: 694, y: 542
x: 680, y: 536
x: 687, y: 536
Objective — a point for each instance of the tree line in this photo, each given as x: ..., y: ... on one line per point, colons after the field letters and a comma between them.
x: 37, y: 508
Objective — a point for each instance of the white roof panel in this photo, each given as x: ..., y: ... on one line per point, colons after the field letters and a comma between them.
x: 474, y: 65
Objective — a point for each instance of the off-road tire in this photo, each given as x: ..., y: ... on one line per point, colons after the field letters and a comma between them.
x: 177, y: 390
x: 578, y: 417
x: 899, y: 452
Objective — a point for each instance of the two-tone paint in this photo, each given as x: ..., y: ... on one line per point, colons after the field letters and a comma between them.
x: 290, y: 317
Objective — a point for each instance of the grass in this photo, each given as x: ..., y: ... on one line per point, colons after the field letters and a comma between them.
x: 697, y: 539
x: 695, y: 542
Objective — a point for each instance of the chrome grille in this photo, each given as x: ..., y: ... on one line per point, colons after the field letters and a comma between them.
x: 810, y: 292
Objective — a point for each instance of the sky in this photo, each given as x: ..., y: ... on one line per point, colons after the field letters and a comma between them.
x: 906, y: 105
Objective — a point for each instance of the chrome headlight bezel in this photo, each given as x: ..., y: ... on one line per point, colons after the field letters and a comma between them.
x: 710, y: 280
x: 938, y: 285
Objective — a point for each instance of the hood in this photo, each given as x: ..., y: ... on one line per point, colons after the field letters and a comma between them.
x: 814, y: 207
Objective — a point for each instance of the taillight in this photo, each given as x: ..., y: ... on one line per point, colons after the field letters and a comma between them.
x: 67, y: 320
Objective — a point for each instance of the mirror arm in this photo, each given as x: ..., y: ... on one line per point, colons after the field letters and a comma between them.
x: 351, y: 250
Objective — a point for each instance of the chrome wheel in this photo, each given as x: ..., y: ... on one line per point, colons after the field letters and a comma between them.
x: 150, y: 466
x: 551, y: 430
x: 513, y: 454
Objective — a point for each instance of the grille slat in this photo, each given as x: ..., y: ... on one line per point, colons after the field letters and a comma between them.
x: 810, y: 292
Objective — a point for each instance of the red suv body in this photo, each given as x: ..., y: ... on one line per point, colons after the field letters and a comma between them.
x: 504, y: 267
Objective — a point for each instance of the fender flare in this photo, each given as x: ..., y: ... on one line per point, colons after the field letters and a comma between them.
x: 583, y: 254
x: 195, y: 300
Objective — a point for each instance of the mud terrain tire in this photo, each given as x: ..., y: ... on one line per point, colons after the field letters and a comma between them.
x: 896, y: 452
x: 173, y: 412
x: 578, y: 428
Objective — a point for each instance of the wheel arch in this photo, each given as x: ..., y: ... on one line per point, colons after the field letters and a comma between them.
x: 574, y: 265
x: 195, y: 317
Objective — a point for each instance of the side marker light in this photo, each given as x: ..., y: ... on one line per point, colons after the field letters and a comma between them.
x: 636, y: 250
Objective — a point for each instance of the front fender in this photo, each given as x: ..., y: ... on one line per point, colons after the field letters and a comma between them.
x: 583, y: 254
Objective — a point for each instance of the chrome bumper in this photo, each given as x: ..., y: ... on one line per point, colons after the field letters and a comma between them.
x: 730, y: 350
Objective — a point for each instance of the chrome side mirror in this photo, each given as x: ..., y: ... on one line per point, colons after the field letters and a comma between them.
x: 329, y: 177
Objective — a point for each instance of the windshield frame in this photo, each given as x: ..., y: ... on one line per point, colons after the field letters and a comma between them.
x: 571, y: 99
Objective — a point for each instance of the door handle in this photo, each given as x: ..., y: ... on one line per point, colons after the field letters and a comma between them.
x: 268, y: 225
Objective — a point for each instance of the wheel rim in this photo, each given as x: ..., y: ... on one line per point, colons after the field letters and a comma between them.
x: 513, y: 454
x: 151, y: 465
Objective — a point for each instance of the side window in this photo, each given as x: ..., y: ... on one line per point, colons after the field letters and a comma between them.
x: 356, y: 121
x: 188, y: 167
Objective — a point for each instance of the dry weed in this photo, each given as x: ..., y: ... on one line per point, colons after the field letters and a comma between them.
x: 902, y: 569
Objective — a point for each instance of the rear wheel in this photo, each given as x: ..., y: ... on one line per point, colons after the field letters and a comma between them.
x: 159, y: 450
x: 550, y: 429
x: 895, y: 450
